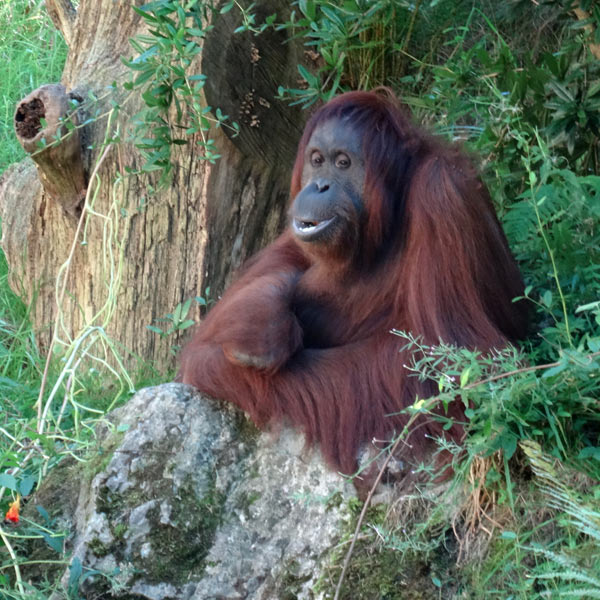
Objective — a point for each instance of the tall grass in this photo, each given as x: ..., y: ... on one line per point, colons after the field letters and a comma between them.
x: 32, y: 52
x: 36, y: 432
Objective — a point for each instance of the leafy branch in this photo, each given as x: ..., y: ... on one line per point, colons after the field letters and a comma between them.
x: 164, y: 75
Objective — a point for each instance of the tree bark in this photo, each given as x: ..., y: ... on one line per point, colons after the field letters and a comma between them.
x: 60, y: 165
x: 169, y: 244
x: 62, y: 13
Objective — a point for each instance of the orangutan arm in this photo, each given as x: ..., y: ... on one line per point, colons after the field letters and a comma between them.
x: 253, y: 323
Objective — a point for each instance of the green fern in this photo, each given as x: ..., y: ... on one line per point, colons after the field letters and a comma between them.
x: 564, y: 569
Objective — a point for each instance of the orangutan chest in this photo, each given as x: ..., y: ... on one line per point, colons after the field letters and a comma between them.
x: 322, y: 321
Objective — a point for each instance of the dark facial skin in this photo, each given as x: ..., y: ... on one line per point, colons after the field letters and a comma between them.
x: 328, y: 208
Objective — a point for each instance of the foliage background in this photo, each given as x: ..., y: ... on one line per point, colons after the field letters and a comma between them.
x: 518, y: 84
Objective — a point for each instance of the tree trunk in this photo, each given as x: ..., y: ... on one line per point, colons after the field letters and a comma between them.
x: 142, y: 250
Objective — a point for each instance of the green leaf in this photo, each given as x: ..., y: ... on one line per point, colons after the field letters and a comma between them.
x: 54, y: 541
x: 593, y: 89
x: 144, y: 14
x: 307, y: 8
x: 186, y: 308
x: 154, y: 329
x: 464, y: 377
x: 590, y: 452
x: 332, y: 16
x: 181, y: 14
x: 196, y: 32
x: 177, y: 313
x: 309, y: 77
x: 441, y: 383
x: 75, y: 573
x: 555, y: 370
x: 561, y: 91
x: 43, y: 513
x: 26, y: 485
x: 594, y: 344
x: 149, y: 167
x: 547, y: 298
x: 9, y: 481
x: 509, y: 445
x: 589, y: 306
x: 142, y: 78
x: 532, y: 178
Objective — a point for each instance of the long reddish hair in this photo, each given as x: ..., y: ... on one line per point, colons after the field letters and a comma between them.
x: 433, y: 261
x: 426, y: 203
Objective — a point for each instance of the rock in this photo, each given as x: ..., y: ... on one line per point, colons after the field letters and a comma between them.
x: 186, y: 500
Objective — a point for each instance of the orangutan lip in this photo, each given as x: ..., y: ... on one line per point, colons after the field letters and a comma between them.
x: 306, y: 229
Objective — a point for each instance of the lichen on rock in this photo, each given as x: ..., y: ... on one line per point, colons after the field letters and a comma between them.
x: 187, y: 501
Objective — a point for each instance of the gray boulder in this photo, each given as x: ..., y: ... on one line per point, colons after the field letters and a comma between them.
x: 186, y: 500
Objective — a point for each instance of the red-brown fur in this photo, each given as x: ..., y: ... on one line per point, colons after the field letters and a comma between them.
x: 432, y: 260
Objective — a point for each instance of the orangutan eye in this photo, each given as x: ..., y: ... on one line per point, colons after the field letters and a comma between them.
x: 316, y: 159
x: 342, y: 161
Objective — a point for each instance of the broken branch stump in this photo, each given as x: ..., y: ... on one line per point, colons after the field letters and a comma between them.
x: 41, y: 128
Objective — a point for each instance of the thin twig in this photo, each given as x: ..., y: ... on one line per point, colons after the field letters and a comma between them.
x: 523, y: 370
x: 430, y: 402
x: 367, y: 503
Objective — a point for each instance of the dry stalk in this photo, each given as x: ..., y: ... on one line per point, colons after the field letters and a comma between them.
x: 42, y: 414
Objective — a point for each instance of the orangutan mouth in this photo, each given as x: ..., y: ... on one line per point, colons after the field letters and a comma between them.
x: 307, y: 229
